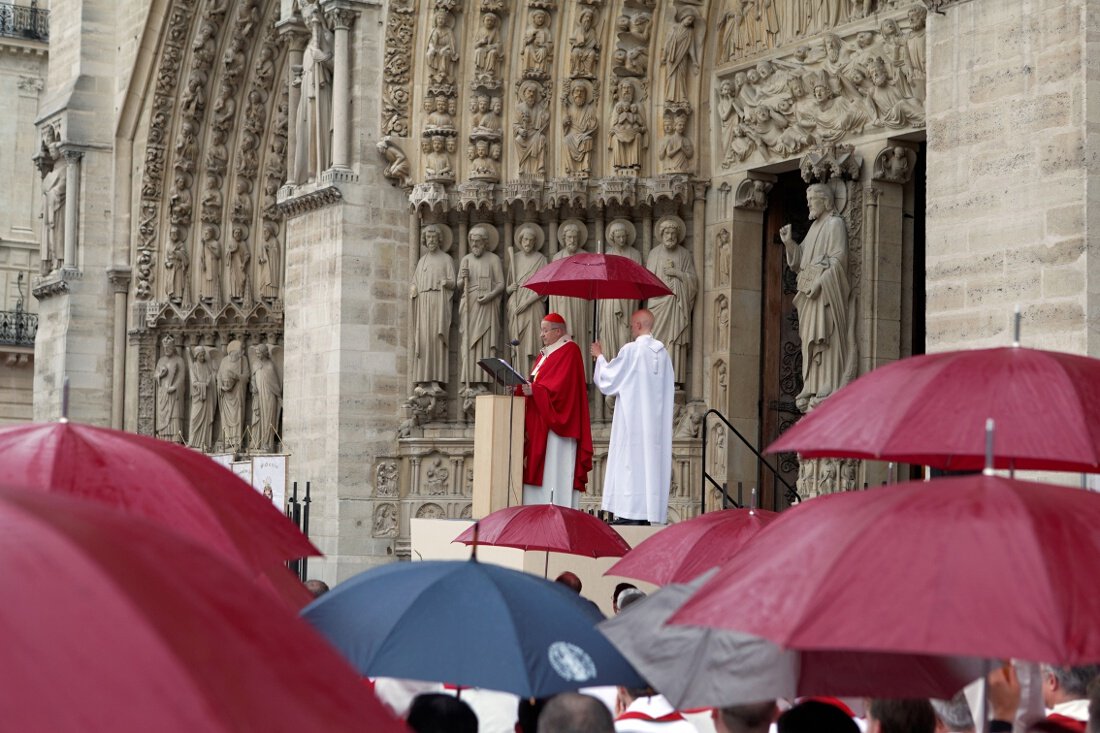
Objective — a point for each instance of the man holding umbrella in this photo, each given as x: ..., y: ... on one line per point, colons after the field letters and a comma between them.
x: 557, y: 454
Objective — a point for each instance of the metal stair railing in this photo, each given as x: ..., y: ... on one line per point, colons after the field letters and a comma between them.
x: 791, y: 494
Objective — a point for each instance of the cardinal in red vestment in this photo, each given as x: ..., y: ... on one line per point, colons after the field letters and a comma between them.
x: 557, y: 453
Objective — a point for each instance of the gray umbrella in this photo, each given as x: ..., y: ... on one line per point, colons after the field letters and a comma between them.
x: 701, y: 667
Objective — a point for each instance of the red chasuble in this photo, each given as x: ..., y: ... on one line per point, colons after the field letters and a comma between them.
x: 558, y: 402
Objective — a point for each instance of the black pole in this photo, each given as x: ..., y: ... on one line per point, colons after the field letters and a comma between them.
x: 305, y: 530
x: 703, y: 471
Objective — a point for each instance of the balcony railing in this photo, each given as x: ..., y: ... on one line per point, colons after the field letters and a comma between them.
x: 20, y: 21
x: 18, y: 328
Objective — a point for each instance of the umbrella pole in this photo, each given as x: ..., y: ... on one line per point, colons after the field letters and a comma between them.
x: 988, y: 470
x: 546, y: 566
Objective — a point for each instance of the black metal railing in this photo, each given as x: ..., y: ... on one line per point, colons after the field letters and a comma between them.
x: 790, y: 493
x: 18, y: 328
x: 20, y: 21
x: 298, y: 512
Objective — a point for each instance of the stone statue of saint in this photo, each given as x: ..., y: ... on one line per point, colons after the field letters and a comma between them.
x: 614, y: 315
x: 627, y: 137
x: 232, y: 381
x: 672, y: 263
x: 171, y: 373
x: 268, y: 258
x: 579, y: 123
x: 267, y: 394
x: 53, y: 210
x: 204, y: 400
x: 487, y: 49
x: 538, y: 45
x: 442, y: 50
x: 677, y: 151
x: 313, y: 122
x: 210, y: 262
x: 178, y: 262
x: 239, y: 255
x: 682, y: 53
x: 584, y: 45
x: 481, y: 277
x: 529, y: 130
x: 821, y: 262
x: 526, y: 308
x: 577, y: 312
x: 432, y: 293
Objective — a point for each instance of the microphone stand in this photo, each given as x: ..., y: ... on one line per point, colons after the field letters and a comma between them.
x: 511, y: 489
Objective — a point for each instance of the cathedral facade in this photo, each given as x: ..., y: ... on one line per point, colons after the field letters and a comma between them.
x: 292, y: 227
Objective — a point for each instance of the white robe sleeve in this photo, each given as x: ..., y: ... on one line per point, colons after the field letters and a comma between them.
x: 609, y: 376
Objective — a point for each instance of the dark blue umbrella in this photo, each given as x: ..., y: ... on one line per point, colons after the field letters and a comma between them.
x: 469, y: 623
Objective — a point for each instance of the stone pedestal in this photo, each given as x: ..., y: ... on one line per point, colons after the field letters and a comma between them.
x: 498, y: 453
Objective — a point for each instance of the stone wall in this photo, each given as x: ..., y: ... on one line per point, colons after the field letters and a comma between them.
x: 1009, y: 178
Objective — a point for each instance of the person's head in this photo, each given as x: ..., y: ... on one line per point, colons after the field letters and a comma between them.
x: 570, y: 581
x: 755, y: 717
x: 670, y: 232
x: 901, y: 716
x: 317, y: 587
x: 490, y: 20
x: 918, y: 15
x: 953, y: 716
x: 540, y: 18
x: 571, y: 237
x: 641, y: 323
x: 626, y: 91
x: 572, y: 712
x: 629, y: 597
x: 438, y: 143
x: 1061, y: 684
x: 551, y: 329
x: 435, y: 712
x: 617, y: 592
x: 814, y: 716
x: 527, y: 240
x: 579, y: 93
x: 527, y: 714
x: 531, y: 93
x: 479, y: 238
x: 199, y: 353
x: 819, y: 197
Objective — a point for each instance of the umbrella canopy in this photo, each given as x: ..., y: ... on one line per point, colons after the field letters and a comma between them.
x: 108, y: 622
x: 469, y: 623
x: 931, y: 410
x: 597, y: 277
x: 703, y: 667
x: 547, y: 528
x: 685, y: 550
x: 173, y: 486
x: 974, y: 566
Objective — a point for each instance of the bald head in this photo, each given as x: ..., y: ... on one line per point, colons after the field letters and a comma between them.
x: 641, y: 323
x: 571, y: 712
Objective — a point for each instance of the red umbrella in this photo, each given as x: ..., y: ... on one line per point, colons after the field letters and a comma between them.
x: 107, y: 621
x: 685, y: 550
x: 547, y: 528
x: 173, y: 486
x: 974, y: 566
x: 931, y: 410
x: 597, y: 277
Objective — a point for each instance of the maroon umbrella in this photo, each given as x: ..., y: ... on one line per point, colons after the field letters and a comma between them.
x: 975, y: 566
x: 931, y: 410
x: 685, y: 550
x: 176, y: 487
x: 109, y: 622
x: 597, y: 277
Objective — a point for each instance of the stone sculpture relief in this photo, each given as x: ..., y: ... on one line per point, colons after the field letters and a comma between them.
x: 210, y: 264
x: 628, y: 133
x: 52, y: 165
x: 532, y: 118
x: 481, y: 278
x: 432, y: 294
x: 526, y: 308
x: 614, y: 315
x: 821, y: 94
x: 395, y: 70
x: 584, y: 44
x: 171, y: 376
x: 438, y: 166
x: 895, y: 164
x: 538, y: 45
x: 579, y: 123
x: 442, y: 51
x: 385, y: 521
x: 204, y: 400
x: 820, y: 261
x: 677, y: 152
x: 178, y: 262
x: 385, y: 479
x: 682, y: 54
x: 671, y: 261
x: 723, y: 261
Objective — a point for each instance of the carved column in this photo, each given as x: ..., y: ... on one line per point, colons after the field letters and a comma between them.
x: 699, y: 254
x: 414, y: 257
x: 73, y: 160
x: 341, y: 19
x: 119, y: 277
x: 297, y: 45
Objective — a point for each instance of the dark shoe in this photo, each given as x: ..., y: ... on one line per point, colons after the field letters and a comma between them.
x: 631, y: 522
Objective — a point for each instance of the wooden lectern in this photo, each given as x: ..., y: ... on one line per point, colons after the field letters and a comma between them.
x: 494, y: 453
